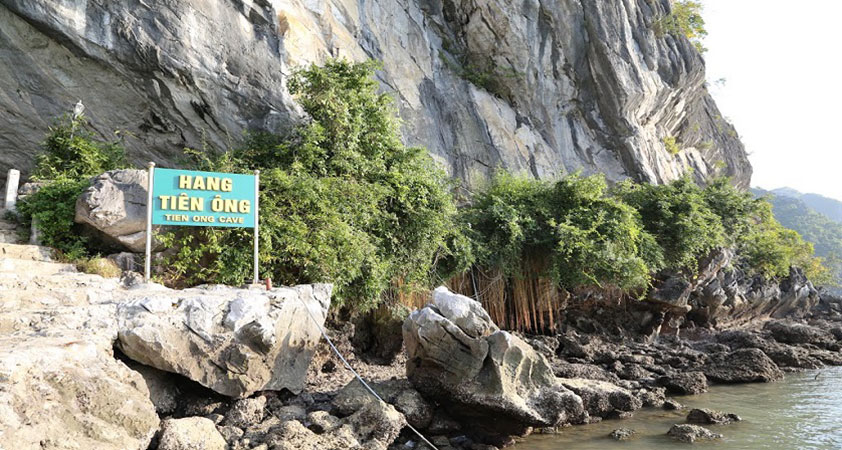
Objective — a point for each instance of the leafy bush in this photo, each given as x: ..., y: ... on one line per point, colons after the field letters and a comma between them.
x: 53, y: 208
x: 679, y: 218
x: 72, y: 150
x: 587, y: 237
x: 99, y: 266
x: 685, y: 19
x: 671, y: 145
x: 342, y: 199
x: 70, y: 155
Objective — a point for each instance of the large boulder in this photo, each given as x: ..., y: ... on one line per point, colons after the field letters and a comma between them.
x: 602, y: 398
x: 788, y: 332
x: 742, y: 366
x: 234, y: 341
x: 114, y: 208
x: 458, y: 357
x: 685, y: 383
x: 70, y: 393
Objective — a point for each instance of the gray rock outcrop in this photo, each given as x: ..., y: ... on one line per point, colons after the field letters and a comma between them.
x: 540, y: 87
x: 459, y: 358
x: 373, y: 427
x: 709, y: 416
x: 114, y: 208
x: 743, y: 366
x: 233, y: 341
x: 69, y: 393
x: 721, y: 294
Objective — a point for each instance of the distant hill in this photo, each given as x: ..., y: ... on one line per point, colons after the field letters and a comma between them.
x: 793, y: 211
x: 824, y: 205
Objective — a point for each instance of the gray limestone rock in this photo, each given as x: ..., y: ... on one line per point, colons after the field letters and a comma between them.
x: 190, y: 433
x: 691, y: 433
x: 458, y: 357
x: 534, y: 87
x: 210, y: 335
x: 742, y: 366
x: 114, y: 207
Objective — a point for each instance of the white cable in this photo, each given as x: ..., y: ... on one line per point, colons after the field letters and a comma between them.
x: 344, y: 361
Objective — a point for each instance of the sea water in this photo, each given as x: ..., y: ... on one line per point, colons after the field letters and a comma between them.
x: 803, y: 411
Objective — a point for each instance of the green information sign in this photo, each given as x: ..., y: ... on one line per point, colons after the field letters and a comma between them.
x: 203, y: 199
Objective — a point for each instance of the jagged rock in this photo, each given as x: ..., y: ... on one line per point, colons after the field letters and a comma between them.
x: 70, y: 393
x: 601, y: 398
x: 190, y: 433
x: 233, y: 341
x: 163, y: 388
x: 622, y: 434
x: 672, y: 405
x: 246, y: 411
x: 175, y: 73
x: 743, y: 366
x: 709, y: 416
x: 373, y: 427
x: 459, y: 358
x: 685, y: 383
x: 231, y: 434
x: 563, y: 369
x: 799, y: 333
x: 691, y: 433
x: 653, y: 397
x: 791, y: 356
x: 398, y: 393
x: 114, y: 206
x: 321, y: 421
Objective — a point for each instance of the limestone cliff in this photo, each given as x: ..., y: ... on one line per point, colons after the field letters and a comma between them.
x: 538, y: 86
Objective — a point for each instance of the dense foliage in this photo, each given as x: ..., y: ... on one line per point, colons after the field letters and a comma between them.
x: 583, y: 236
x: 70, y: 155
x: 342, y: 199
x: 593, y: 236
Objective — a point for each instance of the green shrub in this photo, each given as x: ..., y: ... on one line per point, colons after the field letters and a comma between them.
x: 679, y: 217
x: 54, y: 208
x: 686, y: 20
x: 587, y: 237
x: 70, y: 156
x: 72, y: 150
x: 342, y: 199
x: 671, y: 145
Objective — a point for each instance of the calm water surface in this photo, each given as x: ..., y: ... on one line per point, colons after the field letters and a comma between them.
x: 801, y: 412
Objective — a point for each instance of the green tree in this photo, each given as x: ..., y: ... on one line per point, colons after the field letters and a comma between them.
x: 342, y: 199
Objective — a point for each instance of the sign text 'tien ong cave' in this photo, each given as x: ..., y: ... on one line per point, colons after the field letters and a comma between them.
x: 190, y: 198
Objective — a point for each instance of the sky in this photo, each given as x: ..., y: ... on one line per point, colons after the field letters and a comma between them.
x: 781, y: 63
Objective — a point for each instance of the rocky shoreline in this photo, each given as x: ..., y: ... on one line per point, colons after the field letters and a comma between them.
x: 98, y: 363
x: 595, y: 377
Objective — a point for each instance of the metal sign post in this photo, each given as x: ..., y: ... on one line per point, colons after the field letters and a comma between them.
x: 256, y: 222
x: 202, y: 199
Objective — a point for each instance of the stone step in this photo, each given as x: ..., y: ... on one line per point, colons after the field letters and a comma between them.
x: 26, y: 252
x: 26, y: 269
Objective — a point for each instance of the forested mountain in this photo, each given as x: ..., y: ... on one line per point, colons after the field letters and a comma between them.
x: 824, y: 205
x: 810, y: 215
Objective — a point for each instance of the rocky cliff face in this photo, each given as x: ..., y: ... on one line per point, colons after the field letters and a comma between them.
x: 537, y: 86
